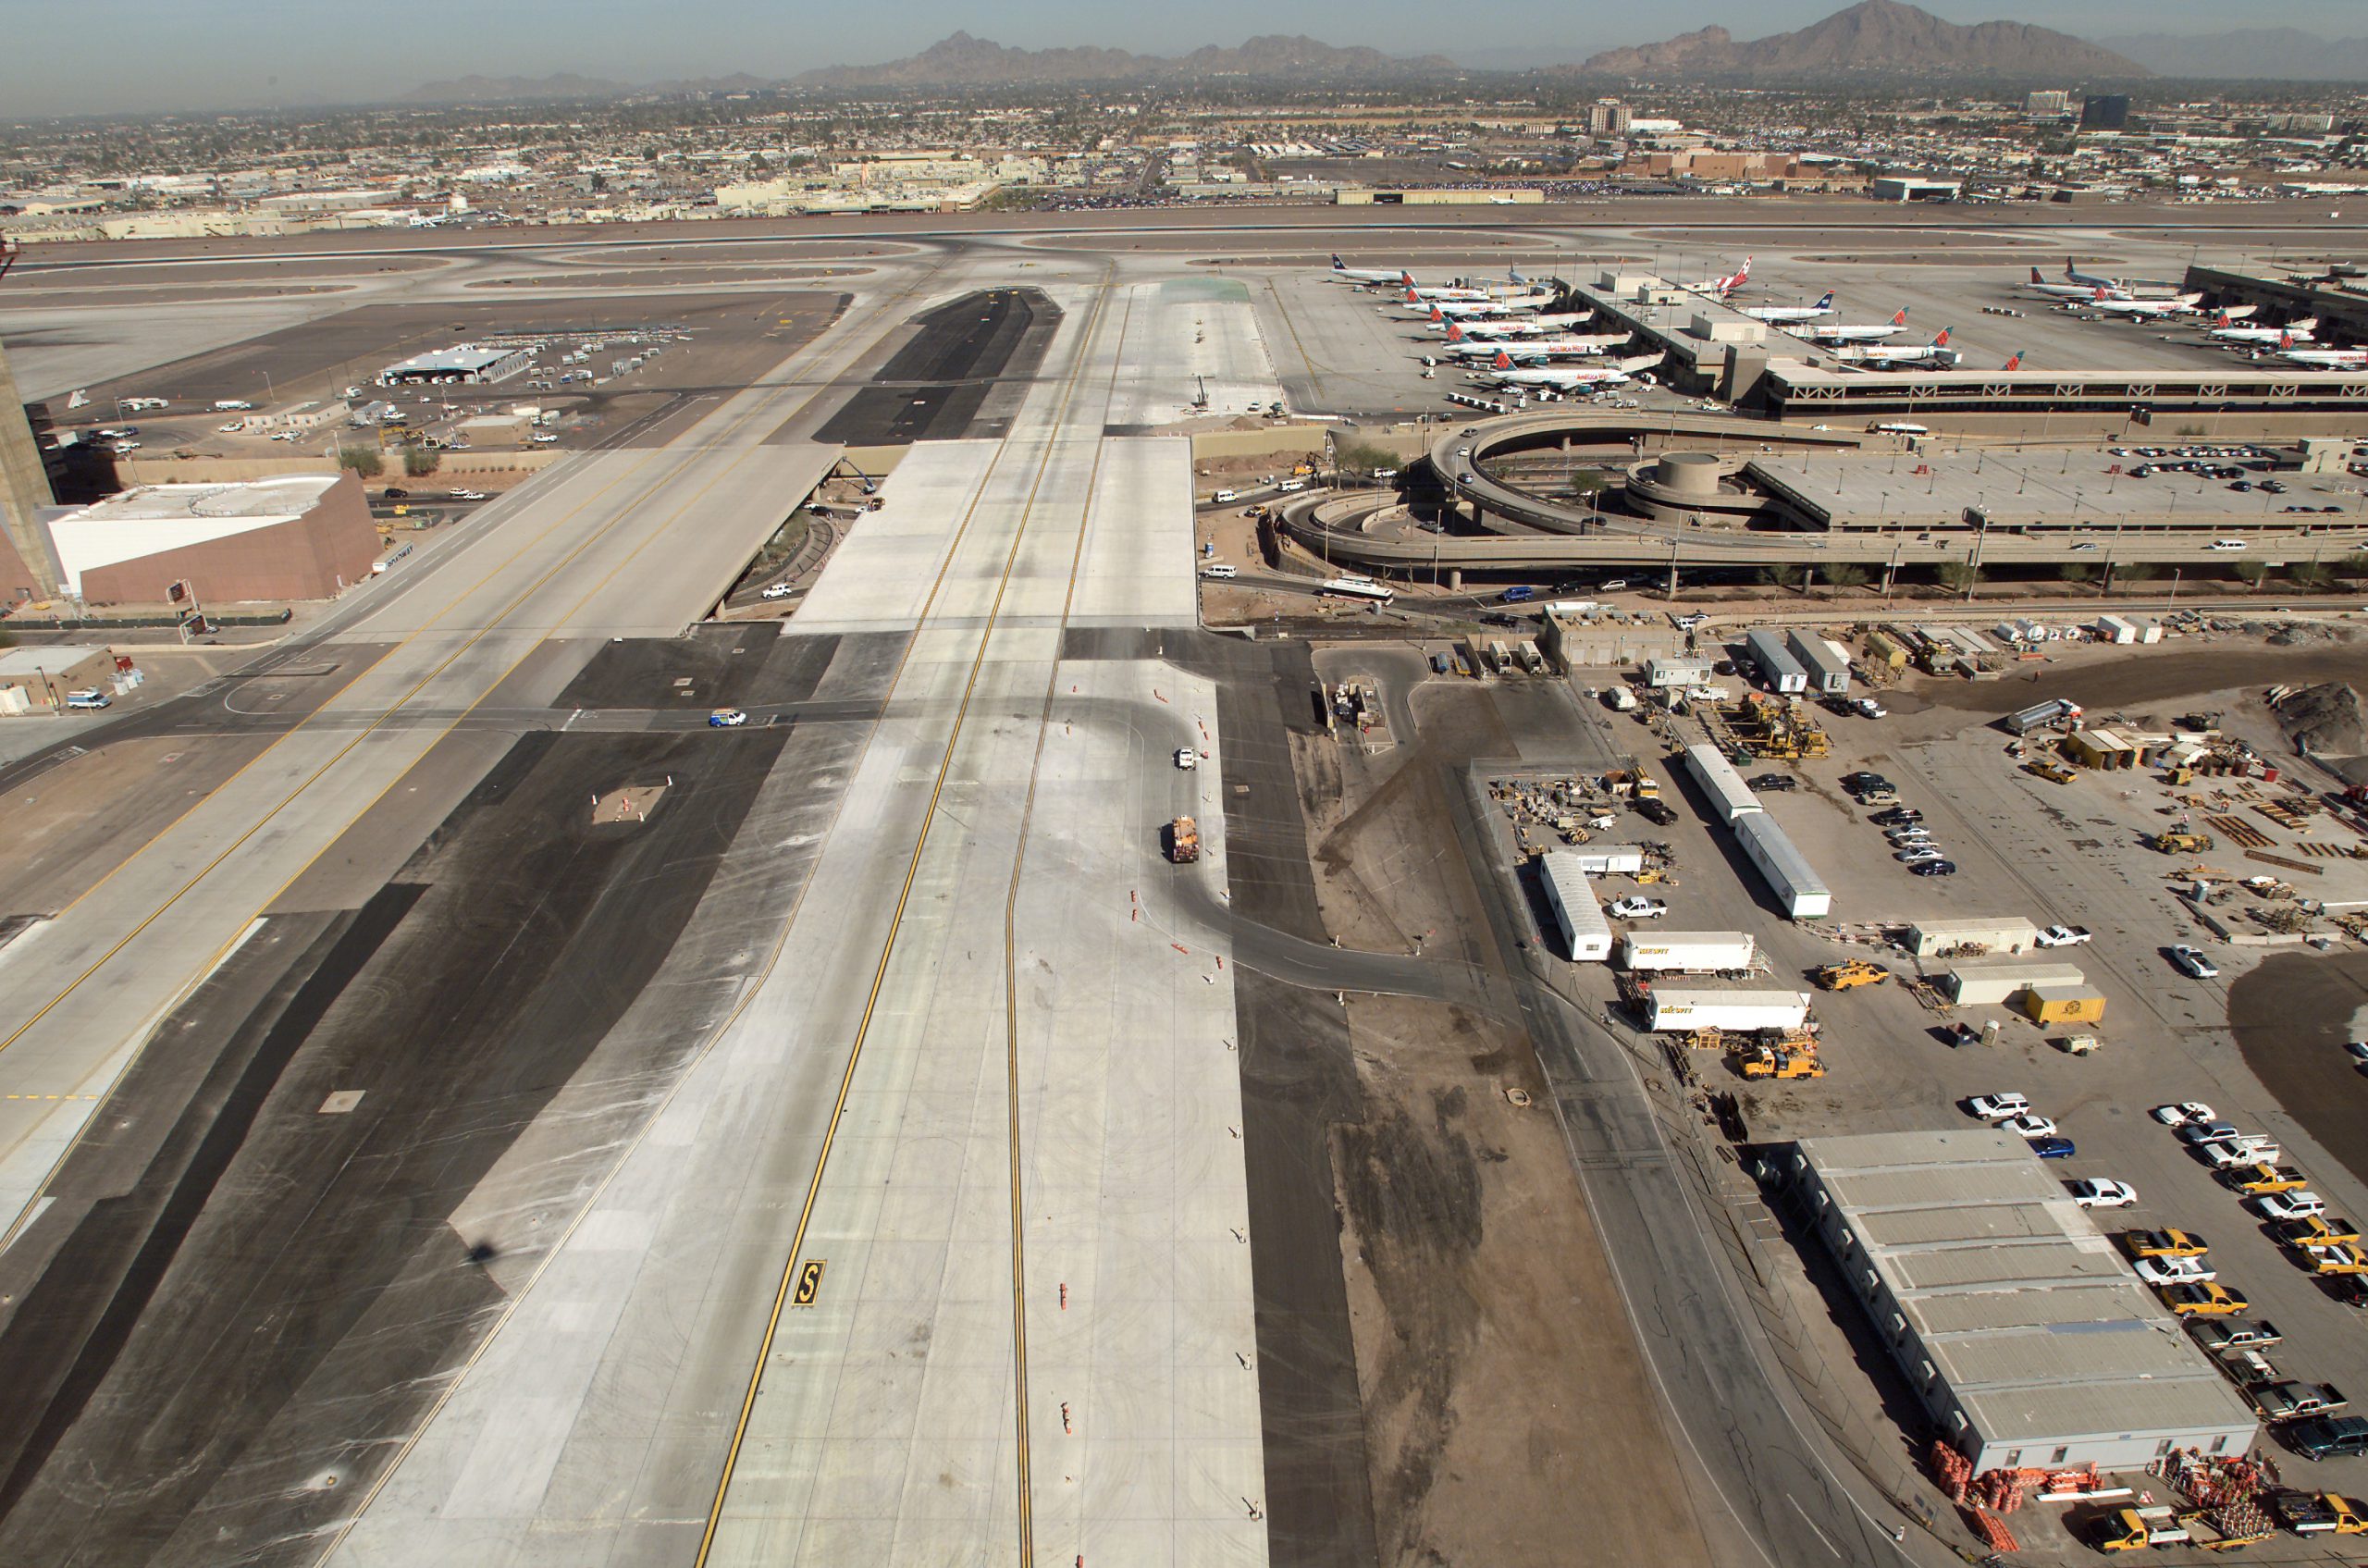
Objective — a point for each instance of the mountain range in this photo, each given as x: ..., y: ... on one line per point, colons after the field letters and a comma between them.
x: 963, y: 61
x: 2279, y: 54
x: 1873, y: 38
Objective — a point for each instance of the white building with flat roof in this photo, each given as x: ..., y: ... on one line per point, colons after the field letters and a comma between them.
x: 2024, y: 1333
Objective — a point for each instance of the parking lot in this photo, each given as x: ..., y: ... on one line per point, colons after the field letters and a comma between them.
x: 2022, y: 845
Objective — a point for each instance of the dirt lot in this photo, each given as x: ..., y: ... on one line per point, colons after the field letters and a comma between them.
x: 1508, y: 1410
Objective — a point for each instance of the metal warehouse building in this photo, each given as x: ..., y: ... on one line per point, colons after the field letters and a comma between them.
x: 2025, y: 1335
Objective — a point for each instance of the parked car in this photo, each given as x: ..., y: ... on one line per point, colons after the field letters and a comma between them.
x: 2055, y: 1148
x: 1636, y: 908
x: 2208, y: 1300
x: 1917, y: 855
x: 2175, y: 1271
x: 2164, y: 1243
x: 2327, y: 1436
x: 88, y: 697
x: 1187, y: 758
x: 2028, y: 1124
x: 1935, y: 869
x: 2236, y: 1334
x: 2205, y: 1130
x: 2181, y: 1113
x: 1998, y: 1107
x: 2192, y: 962
x: 1779, y: 782
x: 2298, y: 1203
x: 777, y: 590
x: 2095, y: 1192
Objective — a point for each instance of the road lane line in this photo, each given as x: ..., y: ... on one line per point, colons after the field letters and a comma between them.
x: 887, y: 952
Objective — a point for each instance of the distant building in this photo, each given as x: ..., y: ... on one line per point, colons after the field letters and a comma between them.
x: 2110, y: 112
x: 1608, y: 117
x: 464, y: 362
x: 1916, y: 188
x: 2046, y: 103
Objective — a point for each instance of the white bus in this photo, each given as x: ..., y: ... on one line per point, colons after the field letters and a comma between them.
x: 1358, y: 588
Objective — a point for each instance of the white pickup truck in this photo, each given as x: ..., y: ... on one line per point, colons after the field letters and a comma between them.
x: 2064, y: 936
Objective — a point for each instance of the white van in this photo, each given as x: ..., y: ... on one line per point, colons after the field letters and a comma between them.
x: 1220, y: 570
x: 2227, y: 544
x: 231, y: 405
x: 1223, y: 496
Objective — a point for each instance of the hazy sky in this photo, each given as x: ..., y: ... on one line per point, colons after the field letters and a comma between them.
x: 112, y: 55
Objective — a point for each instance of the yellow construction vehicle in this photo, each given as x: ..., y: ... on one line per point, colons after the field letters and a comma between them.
x: 1850, y: 975
x: 2054, y: 773
x: 1777, y: 1061
x: 2180, y: 843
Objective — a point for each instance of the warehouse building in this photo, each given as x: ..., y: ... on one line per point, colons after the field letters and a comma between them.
x: 1586, y: 936
x: 2027, y: 1338
x: 1937, y: 939
x: 463, y: 363
x: 36, y: 680
x: 297, y: 537
x: 1723, y: 787
x: 1799, y: 891
x: 1777, y: 667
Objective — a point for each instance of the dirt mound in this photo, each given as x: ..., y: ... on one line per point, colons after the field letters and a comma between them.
x: 2299, y: 634
x: 2326, y: 721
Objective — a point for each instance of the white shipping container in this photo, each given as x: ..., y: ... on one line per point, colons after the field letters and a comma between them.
x: 1988, y: 982
x: 1671, y: 1007
x: 1799, y: 891
x: 1618, y: 859
x: 1696, y: 952
x: 1724, y: 788
x: 2004, y: 934
x: 1665, y: 672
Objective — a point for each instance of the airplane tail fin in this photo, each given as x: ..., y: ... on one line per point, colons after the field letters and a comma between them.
x: 1503, y: 360
x: 1942, y: 340
x: 2286, y: 340
x: 1406, y: 277
x: 1454, y: 331
x: 1899, y: 318
x: 1337, y: 264
x: 2035, y: 278
x: 1414, y: 298
x: 1825, y: 301
x: 2014, y: 361
x: 1512, y: 274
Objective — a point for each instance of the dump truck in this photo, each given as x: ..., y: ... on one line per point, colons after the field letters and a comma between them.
x: 2180, y: 843
x: 1183, y: 840
x: 1850, y: 975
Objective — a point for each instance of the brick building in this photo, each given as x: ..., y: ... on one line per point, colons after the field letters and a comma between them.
x: 299, y: 536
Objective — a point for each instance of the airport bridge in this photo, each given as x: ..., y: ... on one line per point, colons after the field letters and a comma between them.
x: 1796, y: 391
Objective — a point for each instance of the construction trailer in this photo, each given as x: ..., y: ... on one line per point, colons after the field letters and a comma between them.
x: 2061, y: 1002
x: 1586, y: 936
x: 2027, y: 1338
x: 1720, y: 784
x: 1828, y: 666
x: 1991, y: 982
x: 1687, y: 952
x: 1799, y: 891
x: 1661, y: 670
x: 1610, y: 861
x: 1730, y: 1009
x: 1932, y: 939
x: 1777, y: 669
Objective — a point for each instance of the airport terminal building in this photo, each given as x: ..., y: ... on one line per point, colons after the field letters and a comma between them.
x: 2025, y: 1335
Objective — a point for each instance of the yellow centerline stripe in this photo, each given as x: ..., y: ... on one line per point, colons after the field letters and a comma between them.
x: 518, y: 1299
x: 903, y: 894
x: 1011, y: 988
